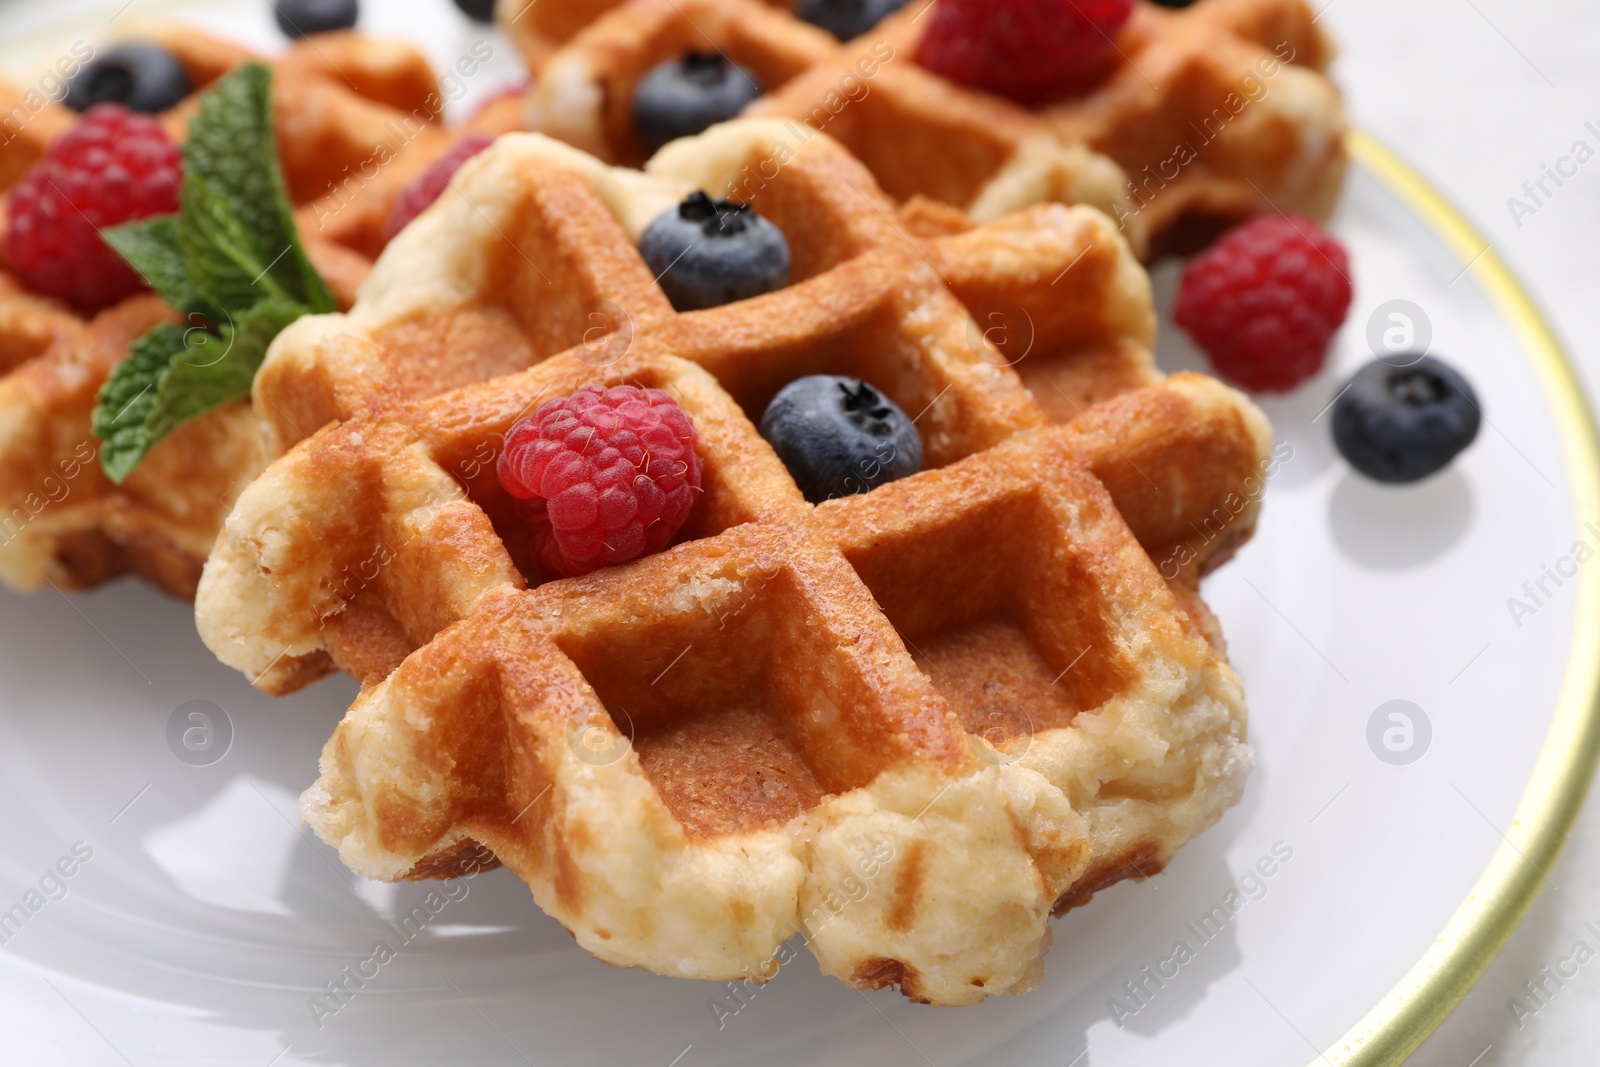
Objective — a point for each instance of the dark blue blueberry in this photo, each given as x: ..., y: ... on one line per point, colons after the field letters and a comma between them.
x: 681, y: 97
x: 477, y: 10
x: 140, y: 77
x: 302, y: 18
x: 840, y: 436
x: 706, y: 253
x: 847, y: 19
x: 1402, y: 423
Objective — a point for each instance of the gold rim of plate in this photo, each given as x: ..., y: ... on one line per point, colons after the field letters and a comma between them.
x: 1550, y: 803
x: 1399, y: 1023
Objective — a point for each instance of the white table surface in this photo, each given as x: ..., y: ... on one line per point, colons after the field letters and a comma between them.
x: 1478, y: 95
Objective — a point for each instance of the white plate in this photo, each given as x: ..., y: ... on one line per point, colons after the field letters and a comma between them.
x: 207, y: 922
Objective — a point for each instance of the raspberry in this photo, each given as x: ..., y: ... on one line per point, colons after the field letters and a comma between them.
x: 115, y: 166
x: 1266, y: 299
x: 427, y: 187
x: 1030, y: 51
x: 602, y: 476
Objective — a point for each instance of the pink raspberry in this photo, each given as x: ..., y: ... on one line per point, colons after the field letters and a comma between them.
x: 427, y: 187
x: 1030, y: 51
x: 114, y: 166
x: 1265, y: 301
x: 603, y: 476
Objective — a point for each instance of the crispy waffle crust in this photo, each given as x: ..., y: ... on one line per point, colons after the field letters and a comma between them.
x: 335, y: 99
x: 532, y: 252
x: 905, y: 725
x: 345, y: 105
x: 791, y: 725
x: 65, y: 523
x: 1212, y: 114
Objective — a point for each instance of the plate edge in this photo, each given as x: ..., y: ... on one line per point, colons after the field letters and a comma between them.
x: 1480, y: 926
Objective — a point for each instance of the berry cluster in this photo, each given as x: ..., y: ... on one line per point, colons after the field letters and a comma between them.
x: 1264, y: 303
x: 115, y: 166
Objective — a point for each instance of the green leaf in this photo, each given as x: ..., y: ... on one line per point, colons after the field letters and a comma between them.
x: 205, y: 375
x: 174, y: 373
x: 126, y: 400
x: 150, y: 247
x: 232, y: 147
x: 230, y: 259
x: 226, y: 262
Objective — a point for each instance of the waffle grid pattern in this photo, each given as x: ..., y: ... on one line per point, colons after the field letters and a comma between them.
x: 970, y: 695
x: 346, y: 104
x: 1214, y: 113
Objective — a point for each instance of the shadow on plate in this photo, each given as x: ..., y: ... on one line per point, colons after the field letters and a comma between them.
x: 1393, y: 528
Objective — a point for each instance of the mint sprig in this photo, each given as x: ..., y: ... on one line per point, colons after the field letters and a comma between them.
x: 230, y: 260
x: 174, y: 373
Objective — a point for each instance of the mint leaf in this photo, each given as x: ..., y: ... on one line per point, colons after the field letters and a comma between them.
x: 218, y: 367
x: 174, y: 373
x: 127, y: 399
x: 230, y: 259
x: 150, y: 247
x: 226, y: 262
x: 232, y: 148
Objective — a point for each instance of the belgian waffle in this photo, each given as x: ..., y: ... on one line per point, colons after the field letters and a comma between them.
x: 1212, y: 114
x: 532, y: 252
x: 885, y: 725
x: 336, y: 98
x: 340, y: 102
x: 64, y: 522
x: 906, y: 725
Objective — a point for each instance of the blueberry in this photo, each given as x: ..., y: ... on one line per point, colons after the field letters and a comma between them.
x: 140, y: 77
x: 681, y: 97
x: 477, y: 10
x: 1402, y: 423
x: 847, y: 19
x: 840, y: 436
x: 706, y: 253
x: 302, y: 18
